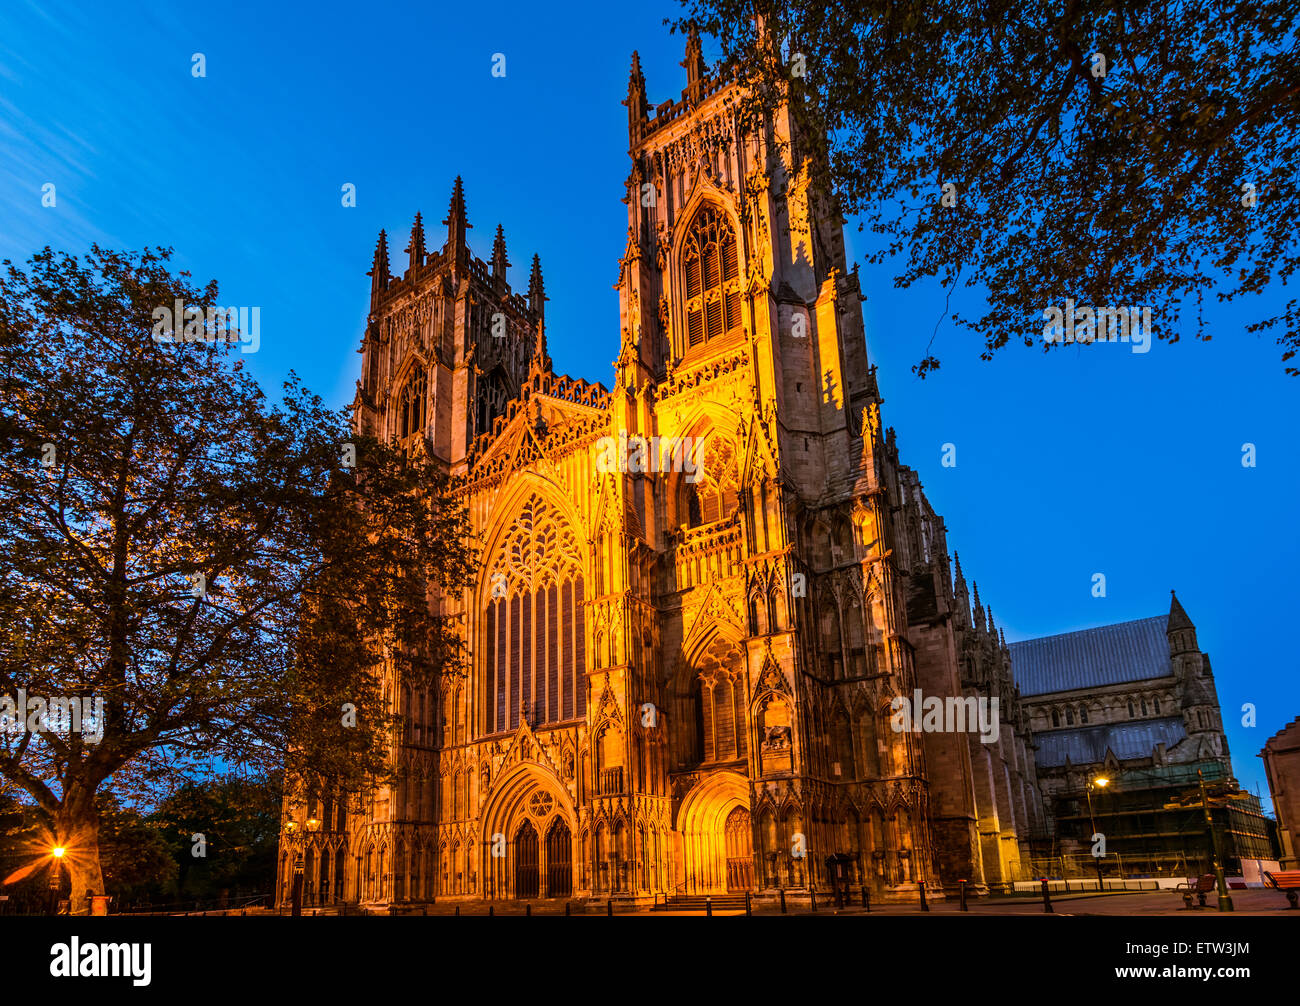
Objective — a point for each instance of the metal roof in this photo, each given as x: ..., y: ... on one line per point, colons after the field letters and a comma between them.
x: 1090, y: 658
x: 1087, y: 745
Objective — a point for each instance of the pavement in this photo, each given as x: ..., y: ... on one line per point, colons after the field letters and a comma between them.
x: 1252, y: 901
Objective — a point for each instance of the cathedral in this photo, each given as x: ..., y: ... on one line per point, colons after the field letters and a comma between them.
x: 703, y: 589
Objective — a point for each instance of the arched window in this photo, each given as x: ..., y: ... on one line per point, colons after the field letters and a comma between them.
x: 1144, y: 706
x: 1157, y: 703
x: 832, y: 654
x: 1056, y: 718
x: 715, y: 494
x: 711, y: 265
x: 1083, y: 714
x: 720, y: 699
x: 842, y: 747
x: 535, y: 642
x: 411, y: 401
x: 1069, y: 716
x: 1130, y: 709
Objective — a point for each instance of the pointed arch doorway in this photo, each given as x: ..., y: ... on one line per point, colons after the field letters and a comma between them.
x: 526, y: 873
x: 738, y: 838
x: 559, y: 860
x: 717, y: 835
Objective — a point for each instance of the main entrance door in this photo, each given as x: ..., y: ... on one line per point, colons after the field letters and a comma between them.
x: 559, y: 861
x: 526, y: 875
x: 740, y: 854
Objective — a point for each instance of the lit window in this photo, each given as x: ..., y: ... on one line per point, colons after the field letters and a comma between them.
x: 712, y: 279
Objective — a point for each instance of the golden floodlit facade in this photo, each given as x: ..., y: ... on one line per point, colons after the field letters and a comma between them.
x: 702, y: 591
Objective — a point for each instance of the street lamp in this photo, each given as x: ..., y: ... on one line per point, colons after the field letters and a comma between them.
x: 1101, y: 782
x: 56, y: 855
x: 313, y: 826
x: 297, y: 886
x: 1225, y: 900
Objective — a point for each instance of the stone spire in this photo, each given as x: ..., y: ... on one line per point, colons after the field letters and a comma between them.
x: 694, y: 63
x: 960, y: 591
x: 499, y: 261
x: 536, y: 290
x: 457, y: 222
x: 379, y: 269
x: 1180, y: 631
x: 415, y: 250
x: 540, y: 362
x: 637, y: 105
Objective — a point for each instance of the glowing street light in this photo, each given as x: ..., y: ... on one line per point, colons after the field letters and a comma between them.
x: 1101, y: 782
x: 58, y: 851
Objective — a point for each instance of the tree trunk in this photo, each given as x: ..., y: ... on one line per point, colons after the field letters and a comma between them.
x: 78, y: 831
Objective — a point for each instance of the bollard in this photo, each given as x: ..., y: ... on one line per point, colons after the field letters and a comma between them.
x: 426, y: 911
x: 566, y: 909
x: 812, y: 898
x: 609, y: 907
x: 924, y: 905
x: 458, y: 909
x: 963, y: 896
x: 528, y: 909
x: 748, y: 908
x: 783, y: 901
x: 1047, y: 898
x: 708, y: 906
x: 492, y: 910
x: 866, y: 898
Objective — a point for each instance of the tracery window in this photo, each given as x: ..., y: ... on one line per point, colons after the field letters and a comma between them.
x: 721, y: 722
x: 411, y: 402
x: 534, y: 635
x: 711, y: 266
x: 715, y: 494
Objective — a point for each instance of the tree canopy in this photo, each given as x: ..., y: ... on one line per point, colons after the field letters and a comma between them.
x: 217, y: 568
x: 1117, y: 154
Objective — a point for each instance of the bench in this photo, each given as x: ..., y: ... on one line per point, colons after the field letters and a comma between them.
x: 1200, y: 886
x: 1288, y: 881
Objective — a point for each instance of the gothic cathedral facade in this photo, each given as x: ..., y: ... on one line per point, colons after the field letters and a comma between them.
x: 700, y: 590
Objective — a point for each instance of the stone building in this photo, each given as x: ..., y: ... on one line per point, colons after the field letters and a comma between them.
x: 1281, y: 756
x: 1134, y: 704
x: 701, y: 588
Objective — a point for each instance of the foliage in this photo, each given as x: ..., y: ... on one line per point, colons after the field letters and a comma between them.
x: 1096, y: 150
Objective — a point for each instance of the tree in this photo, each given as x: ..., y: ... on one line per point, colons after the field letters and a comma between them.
x: 237, y: 822
x: 1117, y: 154
x: 133, y: 853
x: 170, y: 541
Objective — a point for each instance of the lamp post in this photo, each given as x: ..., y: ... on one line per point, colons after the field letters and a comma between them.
x: 56, y: 860
x: 1225, y: 900
x: 295, y: 889
x: 1101, y: 782
x: 313, y: 826
x: 297, y: 886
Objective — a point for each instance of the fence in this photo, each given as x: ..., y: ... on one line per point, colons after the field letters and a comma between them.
x: 1114, y: 866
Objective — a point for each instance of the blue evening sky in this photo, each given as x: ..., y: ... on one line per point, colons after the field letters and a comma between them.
x: 1089, y: 460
